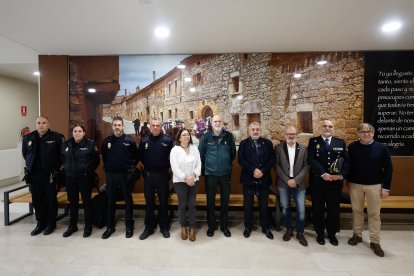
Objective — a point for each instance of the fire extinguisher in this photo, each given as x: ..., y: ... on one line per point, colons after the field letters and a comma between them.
x: 24, y: 132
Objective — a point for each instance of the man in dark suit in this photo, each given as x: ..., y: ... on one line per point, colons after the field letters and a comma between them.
x: 329, y: 164
x: 291, y: 169
x: 256, y: 157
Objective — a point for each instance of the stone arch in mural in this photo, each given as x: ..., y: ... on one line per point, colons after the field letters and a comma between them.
x: 207, y: 112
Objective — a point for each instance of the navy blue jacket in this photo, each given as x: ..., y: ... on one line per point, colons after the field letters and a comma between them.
x: 249, y: 160
x: 371, y: 164
x: 119, y: 154
x: 45, y: 150
x: 154, y: 152
x: 321, y: 157
x: 80, y: 158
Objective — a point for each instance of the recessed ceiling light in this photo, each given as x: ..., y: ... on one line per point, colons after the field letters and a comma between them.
x: 180, y: 66
x: 322, y: 62
x: 187, y: 79
x: 162, y: 32
x: 36, y: 73
x: 391, y: 27
x: 91, y: 90
x: 297, y: 75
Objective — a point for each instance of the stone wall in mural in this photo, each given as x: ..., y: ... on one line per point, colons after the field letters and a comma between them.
x: 254, y: 87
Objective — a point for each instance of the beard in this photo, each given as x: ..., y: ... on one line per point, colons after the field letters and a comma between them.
x: 217, y: 128
x: 117, y: 132
x: 255, y: 137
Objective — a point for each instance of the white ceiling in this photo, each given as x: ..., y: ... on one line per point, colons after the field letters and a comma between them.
x: 30, y: 28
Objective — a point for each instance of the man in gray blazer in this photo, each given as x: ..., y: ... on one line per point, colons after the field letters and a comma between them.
x: 291, y: 168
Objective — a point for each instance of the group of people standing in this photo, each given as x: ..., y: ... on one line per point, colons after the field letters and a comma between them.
x: 366, y: 165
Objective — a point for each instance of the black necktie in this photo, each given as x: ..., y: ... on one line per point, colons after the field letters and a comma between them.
x: 327, y: 142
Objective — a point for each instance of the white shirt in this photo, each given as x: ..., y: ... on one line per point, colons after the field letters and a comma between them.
x: 183, y: 164
x: 291, y: 152
x: 329, y: 139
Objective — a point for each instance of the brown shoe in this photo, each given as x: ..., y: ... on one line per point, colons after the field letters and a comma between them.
x: 192, y: 234
x: 301, y: 239
x: 354, y: 240
x: 288, y: 235
x: 377, y: 249
x: 183, y: 233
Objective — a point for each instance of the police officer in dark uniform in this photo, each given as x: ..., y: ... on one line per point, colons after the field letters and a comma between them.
x: 80, y: 159
x: 154, y: 152
x: 329, y: 164
x: 41, y: 151
x: 120, y: 156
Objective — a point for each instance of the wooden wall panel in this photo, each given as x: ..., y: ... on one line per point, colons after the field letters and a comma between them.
x: 53, y: 90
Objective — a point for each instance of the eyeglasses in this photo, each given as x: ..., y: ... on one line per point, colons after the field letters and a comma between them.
x: 365, y: 131
x: 291, y: 134
x: 327, y: 126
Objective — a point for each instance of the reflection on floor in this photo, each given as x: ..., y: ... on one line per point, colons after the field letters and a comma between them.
x: 22, y: 254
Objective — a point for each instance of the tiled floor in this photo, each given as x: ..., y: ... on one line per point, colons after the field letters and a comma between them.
x: 22, y: 254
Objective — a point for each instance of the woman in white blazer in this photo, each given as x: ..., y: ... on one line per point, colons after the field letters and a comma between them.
x: 186, y: 166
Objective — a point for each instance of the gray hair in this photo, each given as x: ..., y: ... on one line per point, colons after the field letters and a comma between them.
x: 365, y: 125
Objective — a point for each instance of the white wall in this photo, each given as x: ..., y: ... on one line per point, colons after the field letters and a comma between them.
x: 13, y: 94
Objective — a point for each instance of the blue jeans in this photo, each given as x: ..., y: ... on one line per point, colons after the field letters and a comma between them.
x: 286, y: 195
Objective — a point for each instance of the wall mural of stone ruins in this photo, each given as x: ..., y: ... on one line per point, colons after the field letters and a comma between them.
x: 240, y: 87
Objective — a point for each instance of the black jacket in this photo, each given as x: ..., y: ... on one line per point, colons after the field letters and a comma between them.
x: 119, y: 154
x: 44, y: 150
x: 81, y: 158
x: 249, y: 160
x: 154, y: 152
x: 321, y: 157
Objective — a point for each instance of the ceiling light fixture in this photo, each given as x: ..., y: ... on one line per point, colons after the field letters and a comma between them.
x: 297, y: 75
x: 162, y: 32
x: 322, y: 62
x: 391, y: 27
x: 91, y: 90
x: 187, y: 79
x: 180, y: 66
x: 36, y: 73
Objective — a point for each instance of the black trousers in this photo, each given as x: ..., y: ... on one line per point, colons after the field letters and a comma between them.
x: 262, y: 193
x: 82, y: 184
x: 223, y: 181
x: 326, y: 194
x: 156, y: 182
x: 116, y: 181
x: 44, y: 198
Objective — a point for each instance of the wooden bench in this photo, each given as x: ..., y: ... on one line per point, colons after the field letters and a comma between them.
x: 236, y: 200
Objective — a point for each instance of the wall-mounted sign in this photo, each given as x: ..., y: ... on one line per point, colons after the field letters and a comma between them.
x: 389, y: 99
x: 23, y: 110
